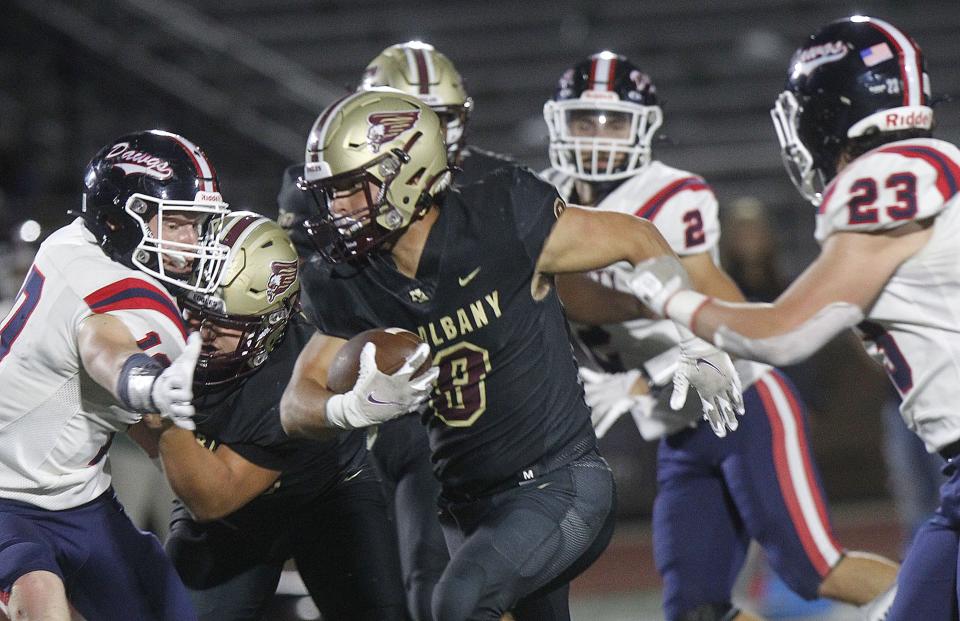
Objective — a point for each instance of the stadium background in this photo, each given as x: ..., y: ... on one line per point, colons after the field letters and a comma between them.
x: 246, y: 78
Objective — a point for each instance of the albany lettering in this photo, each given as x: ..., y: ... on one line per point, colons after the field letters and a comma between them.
x: 464, y: 320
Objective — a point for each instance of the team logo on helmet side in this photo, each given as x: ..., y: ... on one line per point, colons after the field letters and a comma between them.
x: 643, y: 84
x: 132, y: 162
x: 817, y: 55
x: 385, y: 126
x: 282, y: 276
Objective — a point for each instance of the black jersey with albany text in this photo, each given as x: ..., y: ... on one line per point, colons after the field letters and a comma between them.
x: 507, y: 395
x: 248, y: 421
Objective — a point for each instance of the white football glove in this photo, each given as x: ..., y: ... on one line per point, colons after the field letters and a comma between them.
x: 377, y: 397
x: 608, y: 396
x: 172, y: 391
x: 712, y: 374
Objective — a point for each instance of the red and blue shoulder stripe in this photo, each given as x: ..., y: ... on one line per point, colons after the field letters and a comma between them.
x: 135, y: 294
x: 651, y: 208
x: 948, y: 171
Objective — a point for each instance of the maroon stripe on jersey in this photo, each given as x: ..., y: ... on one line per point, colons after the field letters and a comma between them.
x: 421, y: 59
x: 651, y: 208
x: 948, y: 171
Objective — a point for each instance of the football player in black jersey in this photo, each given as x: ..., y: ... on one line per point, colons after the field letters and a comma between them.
x: 526, y: 501
x: 401, y: 450
x: 250, y: 497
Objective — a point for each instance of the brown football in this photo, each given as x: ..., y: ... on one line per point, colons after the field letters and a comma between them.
x: 394, y: 347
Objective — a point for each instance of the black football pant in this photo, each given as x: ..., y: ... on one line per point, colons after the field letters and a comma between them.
x: 518, y: 549
x: 343, y: 544
x: 402, y: 456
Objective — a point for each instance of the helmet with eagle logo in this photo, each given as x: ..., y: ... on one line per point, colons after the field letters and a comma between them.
x: 253, y: 304
x: 383, y: 143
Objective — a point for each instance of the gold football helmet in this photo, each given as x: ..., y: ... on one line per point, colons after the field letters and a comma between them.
x: 258, y: 293
x: 384, y: 144
x: 417, y: 69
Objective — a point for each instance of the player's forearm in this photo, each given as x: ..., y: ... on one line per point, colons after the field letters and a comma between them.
x: 303, y: 409
x: 589, y: 302
x: 583, y: 240
x: 105, y: 345
x: 196, y: 476
x: 764, y: 332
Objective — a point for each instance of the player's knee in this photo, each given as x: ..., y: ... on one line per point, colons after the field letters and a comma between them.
x: 37, y: 594
x: 711, y: 612
x: 459, y: 593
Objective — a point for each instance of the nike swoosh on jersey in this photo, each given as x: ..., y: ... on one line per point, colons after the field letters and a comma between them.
x: 351, y: 477
x: 465, y: 280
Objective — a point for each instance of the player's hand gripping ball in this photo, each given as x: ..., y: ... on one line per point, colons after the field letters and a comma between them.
x: 378, y: 375
x: 395, y: 347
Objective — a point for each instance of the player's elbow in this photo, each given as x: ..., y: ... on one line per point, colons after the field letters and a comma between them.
x: 292, y: 423
x: 208, y: 511
x: 302, y: 417
x: 643, y: 241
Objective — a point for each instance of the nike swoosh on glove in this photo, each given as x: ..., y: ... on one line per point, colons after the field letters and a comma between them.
x: 712, y: 374
x: 377, y: 397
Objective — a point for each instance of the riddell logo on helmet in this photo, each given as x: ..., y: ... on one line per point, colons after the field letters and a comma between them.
x: 600, y: 95
x: 132, y: 162
x: 208, y: 197
x: 385, y: 126
x: 912, y: 119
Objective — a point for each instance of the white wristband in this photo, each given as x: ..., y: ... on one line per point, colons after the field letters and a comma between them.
x: 683, y: 306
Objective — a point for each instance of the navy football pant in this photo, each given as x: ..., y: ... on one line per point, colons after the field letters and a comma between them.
x: 927, y: 585
x: 343, y: 545
x: 716, y: 494
x: 111, y: 570
x: 517, y: 549
x: 402, y: 456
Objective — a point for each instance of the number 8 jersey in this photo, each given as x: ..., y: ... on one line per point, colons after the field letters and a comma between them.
x: 56, y: 423
x: 914, y: 326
